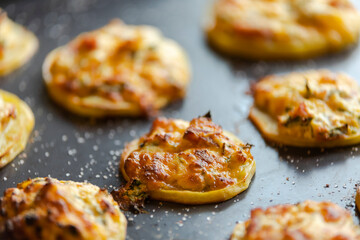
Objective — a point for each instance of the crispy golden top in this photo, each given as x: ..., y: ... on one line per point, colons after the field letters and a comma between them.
x: 318, y: 104
x: 196, y: 156
x: 122, y: 63
x: 308, y: 220
x: 296, y: 21
x: 45, y: 208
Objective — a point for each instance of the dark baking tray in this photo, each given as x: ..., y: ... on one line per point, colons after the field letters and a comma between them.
x: 69, y: 147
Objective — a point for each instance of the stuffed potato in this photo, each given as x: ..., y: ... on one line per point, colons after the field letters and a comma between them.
x: 283, y: 29
x: 307, y: 220
x: 309, y: 109
x: 187, y: 162
x: 48, y: 209
x: 117, y: 70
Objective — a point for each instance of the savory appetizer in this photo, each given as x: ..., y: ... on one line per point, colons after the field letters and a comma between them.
x: 117, y: 70
x: 307, y: 220
x: 16, y: 124
x: 185, y: 162
x: 48, y: 209
x: 308, y: 109
x: 283, y: 29
x: 17, y: 45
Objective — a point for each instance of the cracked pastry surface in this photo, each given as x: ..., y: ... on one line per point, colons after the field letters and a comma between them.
x: 16, y: 124
x: 192, y: 162
x: 17, y: 45
x: 46, y: 208
x: 308, y: 109
x: 283, y: 29
x: 306, y: 220
x: 118, y: 69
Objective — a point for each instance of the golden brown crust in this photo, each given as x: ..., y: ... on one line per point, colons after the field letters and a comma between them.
x: 16, y: 124
x: 313, y: 109
x: 117, y: 70
x: 17, y: 45
x: 45, y: 208
x: 279, y: 29
x: 357, y: 198
x: 191, y: 163
x: 307, y: 220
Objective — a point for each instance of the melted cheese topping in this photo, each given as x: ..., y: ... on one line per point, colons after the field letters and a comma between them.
x: 285, y: 28
x: 51, y: 209
x: 307, y: 220
x: 122, y: 64
x: 313, y: 105
x: 196, y: 156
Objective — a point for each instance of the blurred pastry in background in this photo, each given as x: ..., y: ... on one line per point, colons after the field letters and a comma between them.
x: 194, y: 162
x: 307, y: 220
x: 17, y: 45
x: 49, y: 209
x: 117, y: 70
x: 282, y: 29
x: 317, y: 108
x: 16, y: 123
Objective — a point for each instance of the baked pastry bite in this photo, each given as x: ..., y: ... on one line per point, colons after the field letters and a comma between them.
x: 16, y: 124
x: 307, y: 220
x: 308, y: 109
x: 283, y: 29
x: 192, y: 162
x: 17, y: 45
x: 118, y: 69
x: 46, y: 208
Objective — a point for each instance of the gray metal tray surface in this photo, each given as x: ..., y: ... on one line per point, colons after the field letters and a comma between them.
x: 68, y: 147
